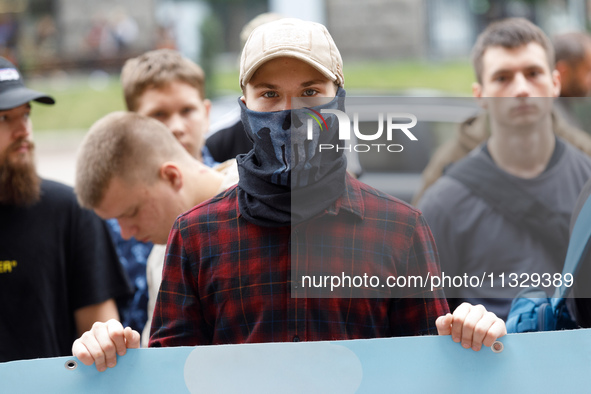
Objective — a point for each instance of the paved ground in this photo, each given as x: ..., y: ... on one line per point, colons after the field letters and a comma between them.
x: 56, y: 154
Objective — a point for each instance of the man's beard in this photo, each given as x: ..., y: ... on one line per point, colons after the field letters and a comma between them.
x: 19, y: 183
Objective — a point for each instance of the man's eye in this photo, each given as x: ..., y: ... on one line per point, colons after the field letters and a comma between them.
x: 3, y: 118
x: 310, y: 92
x: 158, y: 115
x: 187, y: 110
x: 270, y: 94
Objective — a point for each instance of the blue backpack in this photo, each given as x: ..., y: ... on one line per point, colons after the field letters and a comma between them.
x: 532, y: 310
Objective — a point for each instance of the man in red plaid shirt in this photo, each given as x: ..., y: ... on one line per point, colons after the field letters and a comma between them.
x: 236, y: 264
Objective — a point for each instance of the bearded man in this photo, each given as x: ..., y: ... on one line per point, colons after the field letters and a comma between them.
x: 59, y: 271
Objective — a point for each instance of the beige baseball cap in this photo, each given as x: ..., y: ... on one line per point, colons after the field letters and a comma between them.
x: 290, y: 37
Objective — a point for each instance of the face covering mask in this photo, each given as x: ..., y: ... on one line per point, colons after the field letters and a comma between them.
x: 285, y: 179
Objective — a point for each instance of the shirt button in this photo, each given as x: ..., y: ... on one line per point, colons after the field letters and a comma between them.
x: 296, y: 285
x: 296, y: 338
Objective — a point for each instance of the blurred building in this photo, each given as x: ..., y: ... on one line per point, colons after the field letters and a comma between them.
x: 453, y: 25
x: 66, y: 34
x: 106, y: 28
x: 63, y: 34
x: 378, y: 29
x: 395, y: 29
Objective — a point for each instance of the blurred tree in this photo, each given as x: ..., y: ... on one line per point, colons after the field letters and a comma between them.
x: 221, y: 33
x: 212, y: 45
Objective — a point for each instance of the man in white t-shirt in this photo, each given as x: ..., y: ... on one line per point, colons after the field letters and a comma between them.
x: 131, y: 168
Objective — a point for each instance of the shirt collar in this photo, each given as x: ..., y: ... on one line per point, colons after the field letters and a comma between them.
x: 350, y: 201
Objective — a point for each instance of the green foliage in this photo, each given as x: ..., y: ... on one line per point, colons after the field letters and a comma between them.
x: 211, y: 33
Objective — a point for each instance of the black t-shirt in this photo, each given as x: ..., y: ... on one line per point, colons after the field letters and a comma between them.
x: 55, y: 257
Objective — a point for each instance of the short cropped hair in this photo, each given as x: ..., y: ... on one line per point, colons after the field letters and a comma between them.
x: 509, y: 33
x: 571, y: 47
x: 155, y: 69
x: 123, y: 144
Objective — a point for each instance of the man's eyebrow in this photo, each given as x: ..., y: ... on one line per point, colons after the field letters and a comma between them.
x: 313, y: 82
x: 510, y: 70
x: 127, y: 212
x: 502, y: 71
x: 265, y: 85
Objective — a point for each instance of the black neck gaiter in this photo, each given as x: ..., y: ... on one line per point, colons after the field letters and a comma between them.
x: 285, y: 179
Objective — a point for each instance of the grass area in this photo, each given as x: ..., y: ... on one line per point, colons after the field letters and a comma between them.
x: 81, y: 99
x: 453, y: 78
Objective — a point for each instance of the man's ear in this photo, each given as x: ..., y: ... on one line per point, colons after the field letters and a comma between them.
x: 562, y: 67
x: 556, y: 81
x: 172, y: 174
x: 476, y: 89
x: 477, y: 93
x: 207, y: 103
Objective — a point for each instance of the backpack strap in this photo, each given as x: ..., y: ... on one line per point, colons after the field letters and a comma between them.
x: 492, y: 185
x: 578, y: 248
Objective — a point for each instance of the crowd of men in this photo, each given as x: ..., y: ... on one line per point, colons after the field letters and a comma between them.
x: 196, y: 252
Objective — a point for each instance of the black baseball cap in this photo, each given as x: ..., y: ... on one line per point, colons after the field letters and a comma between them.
x: 13, y: 92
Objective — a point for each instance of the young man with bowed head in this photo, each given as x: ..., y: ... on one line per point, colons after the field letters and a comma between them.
x: 148, y: 187
x: 58, y: 268
x: 522, y: 233
x: 228, y: 273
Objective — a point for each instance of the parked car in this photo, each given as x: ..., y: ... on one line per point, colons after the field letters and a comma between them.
x: 394, y: 171
x: 398, y: 173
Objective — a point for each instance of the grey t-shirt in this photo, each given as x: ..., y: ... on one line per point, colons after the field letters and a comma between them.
x: 474, y: 239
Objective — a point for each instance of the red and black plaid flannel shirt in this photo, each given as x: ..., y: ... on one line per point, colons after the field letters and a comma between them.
x: 227, y: 281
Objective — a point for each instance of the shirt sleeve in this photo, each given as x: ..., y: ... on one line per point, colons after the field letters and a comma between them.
x: 439, y: 221
x: 178, y: 319
x: 415, y: 313
x: 436, y: 208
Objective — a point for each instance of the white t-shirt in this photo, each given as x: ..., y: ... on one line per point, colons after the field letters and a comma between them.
x: 155, y: 261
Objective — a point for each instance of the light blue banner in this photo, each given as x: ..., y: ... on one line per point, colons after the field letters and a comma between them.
x: 558, y: 362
